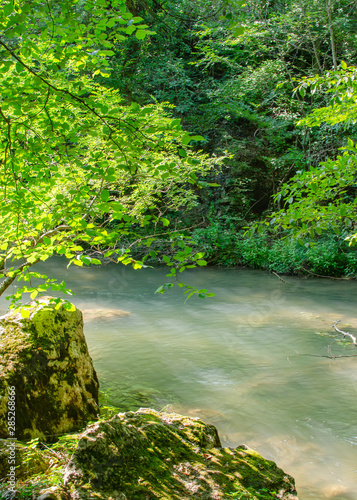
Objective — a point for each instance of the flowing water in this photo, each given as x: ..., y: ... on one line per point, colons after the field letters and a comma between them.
x: 250, y: 361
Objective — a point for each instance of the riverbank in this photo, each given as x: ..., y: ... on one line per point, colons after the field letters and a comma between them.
x: 327, y: 256
x: 138, y: 455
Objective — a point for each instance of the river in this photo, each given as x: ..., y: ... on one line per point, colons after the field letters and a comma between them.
x: 249, y: 360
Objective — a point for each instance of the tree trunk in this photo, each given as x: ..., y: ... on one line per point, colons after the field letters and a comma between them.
x: 332, y: 34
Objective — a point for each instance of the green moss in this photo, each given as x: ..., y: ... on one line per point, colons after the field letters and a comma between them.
x: 153, y: 456
x: 165, y: 456
x: 45, y: 358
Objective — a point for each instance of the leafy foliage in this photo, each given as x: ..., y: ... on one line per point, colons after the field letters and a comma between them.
x: 94, y: 165
x: 80, y: 168
x: 326, y: 255
x: 324, y: 197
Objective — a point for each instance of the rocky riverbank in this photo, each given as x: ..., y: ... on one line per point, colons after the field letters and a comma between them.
x: 123, y: 456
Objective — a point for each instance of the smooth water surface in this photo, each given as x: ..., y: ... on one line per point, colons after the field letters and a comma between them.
x: 248, y: 360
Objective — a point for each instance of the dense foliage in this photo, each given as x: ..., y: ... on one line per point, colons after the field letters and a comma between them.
x: 81, y: 168
x: 144, y: 123
x: 233, y: 71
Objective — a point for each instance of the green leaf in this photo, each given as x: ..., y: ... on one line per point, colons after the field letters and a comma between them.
x: 186, y: 140
x: 104, y: 195
x: 86, y: 260
x: 25, y: 313
x: 239, y: 31
x: 166, y: 259
x: 130, y: 30
x: 141, y: 34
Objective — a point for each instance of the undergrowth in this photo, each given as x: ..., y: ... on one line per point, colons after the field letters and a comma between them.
x: 329, y: 255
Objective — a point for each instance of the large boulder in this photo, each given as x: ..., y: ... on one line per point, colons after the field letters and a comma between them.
x: 149, y: 455
x: 46, y: 369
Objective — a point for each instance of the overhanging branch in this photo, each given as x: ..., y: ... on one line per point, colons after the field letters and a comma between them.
x: 10, y: 279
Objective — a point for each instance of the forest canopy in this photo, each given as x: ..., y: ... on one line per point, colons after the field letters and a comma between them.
x: 158, y: 131
x: 81, y: 168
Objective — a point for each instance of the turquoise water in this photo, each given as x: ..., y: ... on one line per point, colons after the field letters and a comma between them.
x: 248, y: 360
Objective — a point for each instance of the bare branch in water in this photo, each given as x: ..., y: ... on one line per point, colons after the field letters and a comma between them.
x: 277, y: 275
x: 354, y: 340
x: 331, y: 356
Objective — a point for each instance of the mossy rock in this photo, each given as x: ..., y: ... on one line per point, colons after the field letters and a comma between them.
x: 27, y: 464
x: 45, y: 358
x: 148, y: 455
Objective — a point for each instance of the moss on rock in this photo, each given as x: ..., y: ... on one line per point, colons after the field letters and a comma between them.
x: 150, y: 455
x: 27, y: 464
x: 45, y: 358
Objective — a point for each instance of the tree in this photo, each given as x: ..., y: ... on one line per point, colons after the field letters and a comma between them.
x: 324, y: 197
x: 80, y: 169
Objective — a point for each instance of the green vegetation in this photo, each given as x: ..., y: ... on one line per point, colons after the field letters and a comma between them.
x: 81, y: 168
x: 327, y: 255
x: 180, y: 132
x: 42, y: 465
x: 130, y: 128
x: 160, y: 450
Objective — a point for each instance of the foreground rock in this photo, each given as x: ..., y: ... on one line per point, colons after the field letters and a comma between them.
x: 149, y: 455
x: 45, y: 359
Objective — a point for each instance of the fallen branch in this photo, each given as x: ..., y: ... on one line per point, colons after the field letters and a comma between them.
x: 354, y: 340
x: 322, y: 276
x: 277, y: 275
x: 325, y: 356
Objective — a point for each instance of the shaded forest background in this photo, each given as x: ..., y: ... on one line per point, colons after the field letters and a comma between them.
x: 228, y: 71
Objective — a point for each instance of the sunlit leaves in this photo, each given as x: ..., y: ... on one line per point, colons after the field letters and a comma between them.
x: 317, y: 200
x: 323, y: 198
x: 342, y: 87
x: 79, y: 167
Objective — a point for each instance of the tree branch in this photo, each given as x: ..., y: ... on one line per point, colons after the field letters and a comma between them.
x: 67, y: 92
x: 332, y: 34
x: 354, y: 340
x: 325, y: 356
x: 51, y: 232
x: 10, y: 279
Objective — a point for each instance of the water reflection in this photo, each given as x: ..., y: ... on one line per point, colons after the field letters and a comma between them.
x: 242, y: 361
